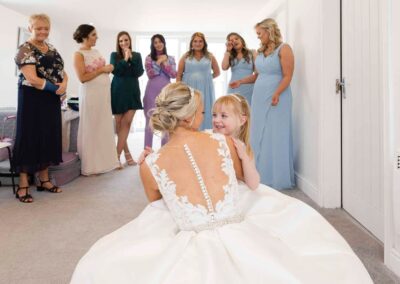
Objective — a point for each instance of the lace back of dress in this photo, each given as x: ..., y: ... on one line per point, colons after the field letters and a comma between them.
x: 198, y: 183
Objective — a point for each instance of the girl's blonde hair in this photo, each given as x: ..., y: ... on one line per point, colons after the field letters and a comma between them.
x: 240, y: 108
x: 38, y: 17
x: 275, y: 37
x: 176, y: 102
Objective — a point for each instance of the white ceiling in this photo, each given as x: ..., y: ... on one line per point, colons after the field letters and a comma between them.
x: 149, y: 16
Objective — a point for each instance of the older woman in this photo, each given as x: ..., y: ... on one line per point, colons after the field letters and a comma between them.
x: 271, y: 108
x: 41, y: 84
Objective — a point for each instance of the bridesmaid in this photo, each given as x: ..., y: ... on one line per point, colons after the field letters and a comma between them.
x: 195, y: 68
x: 160, y: 68
x: 271, y: 108
x: 241, y: 61
x: 96, y: 144
x: 125, y: 91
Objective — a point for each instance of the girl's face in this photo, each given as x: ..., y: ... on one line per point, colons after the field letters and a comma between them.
x: 197, y: 43
x: 225, y: 121
x: 262, y: 35
x: 124, y: 42
x: 158, y: 45
x: 40, y: 30
x: 236, y: 42
x: 92, y: 38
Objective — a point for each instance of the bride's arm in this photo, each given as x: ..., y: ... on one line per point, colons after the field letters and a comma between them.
x: 149, y: 184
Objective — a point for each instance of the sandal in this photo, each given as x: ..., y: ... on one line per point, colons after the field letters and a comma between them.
x: 54, y: 189
x: 27, y: 198
x: 129, y: 160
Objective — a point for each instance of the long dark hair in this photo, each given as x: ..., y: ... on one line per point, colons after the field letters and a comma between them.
x: 120, y: 54
x: 153, y: 51
x: 245, y: 51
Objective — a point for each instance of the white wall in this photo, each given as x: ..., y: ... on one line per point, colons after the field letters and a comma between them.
x: 392, y: 136
x: 10, y: 21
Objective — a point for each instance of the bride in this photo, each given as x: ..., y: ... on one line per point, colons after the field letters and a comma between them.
x: 204, y: 225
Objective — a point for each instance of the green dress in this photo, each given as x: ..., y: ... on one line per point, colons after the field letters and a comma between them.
x: 125, y: 91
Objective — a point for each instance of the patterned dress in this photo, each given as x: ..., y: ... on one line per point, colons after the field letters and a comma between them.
x: 159, y: 76
x: 38, y: 138
x: 96, y: 143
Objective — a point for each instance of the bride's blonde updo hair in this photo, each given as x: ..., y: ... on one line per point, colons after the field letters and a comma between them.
x: 176, y: 102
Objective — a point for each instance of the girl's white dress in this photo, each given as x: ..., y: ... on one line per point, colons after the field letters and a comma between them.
x: 259, y: 236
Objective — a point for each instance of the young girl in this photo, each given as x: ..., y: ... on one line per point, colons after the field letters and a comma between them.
x: 231, y: 117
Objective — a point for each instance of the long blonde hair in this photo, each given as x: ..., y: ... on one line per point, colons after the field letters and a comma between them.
x: 240, y: 108
x: 176, y: 102
x: 275, y: 37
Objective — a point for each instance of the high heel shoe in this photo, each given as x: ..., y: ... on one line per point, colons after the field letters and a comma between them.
x: 129, y: 160
x: 54, y: 189
x: 27, y: 198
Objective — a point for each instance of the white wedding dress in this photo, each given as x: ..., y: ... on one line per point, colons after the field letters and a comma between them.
x: 246, y: 236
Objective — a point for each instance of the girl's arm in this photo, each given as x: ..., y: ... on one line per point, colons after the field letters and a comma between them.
x: 287, y: 63
x: 250, y: 173
x: 181, y: 68
x: 150, y: 71
x: 120, y: 67
x: 136, y: 67
x: 246, y: 80
x: 149, y: 184
x: 225, y: 61
x: 214, y: 67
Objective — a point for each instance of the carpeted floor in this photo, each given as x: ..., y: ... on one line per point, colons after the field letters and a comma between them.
x: 42, y: 242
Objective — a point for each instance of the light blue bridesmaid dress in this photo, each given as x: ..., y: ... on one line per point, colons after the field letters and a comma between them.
x: 271, y: 126
x: 240, y: 69
x: 198, y: 75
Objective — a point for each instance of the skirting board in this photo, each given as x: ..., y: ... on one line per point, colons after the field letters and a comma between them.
x: 308, y: 188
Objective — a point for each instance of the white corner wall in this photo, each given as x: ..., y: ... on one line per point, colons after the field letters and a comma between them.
x: 391, y: 18
x: 9, y: 23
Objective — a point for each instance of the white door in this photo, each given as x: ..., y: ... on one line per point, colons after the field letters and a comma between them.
x: 362, y: 124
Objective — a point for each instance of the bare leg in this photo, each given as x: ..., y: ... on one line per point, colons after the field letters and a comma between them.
x: 45, y: 182
x: 118, y: 120
x: 23, y: 188
x: 125, y: 128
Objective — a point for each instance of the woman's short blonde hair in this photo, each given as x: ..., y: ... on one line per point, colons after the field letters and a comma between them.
x: 38, y: 17
x: 275, y: 37
x: 176, y: 102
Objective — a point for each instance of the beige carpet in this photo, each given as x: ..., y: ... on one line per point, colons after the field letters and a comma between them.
x: 42, y: 242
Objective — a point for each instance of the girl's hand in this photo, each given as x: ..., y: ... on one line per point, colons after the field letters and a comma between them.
x: 147, y: 151
x: 240, y: 148
x: 275, y: 100
x: 127, y: 54
x: 107, y: 68
x: 229, y: 46
x: 235, y: 84
x: 162, y: 59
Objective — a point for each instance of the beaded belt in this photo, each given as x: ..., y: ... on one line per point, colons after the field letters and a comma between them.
x: 217, y: 223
